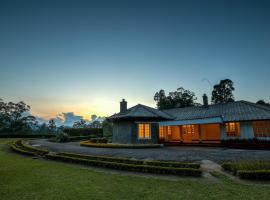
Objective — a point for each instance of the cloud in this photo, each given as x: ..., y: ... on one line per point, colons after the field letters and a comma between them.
x: 68, y: 119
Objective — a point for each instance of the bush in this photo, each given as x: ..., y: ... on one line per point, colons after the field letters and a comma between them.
x: 109, y: 145
x: 62, y: 137
x: 128, y: 167
x: 254, y: 174
x: 96, y: 132
x: 99, y: 140
x: 26, y: 135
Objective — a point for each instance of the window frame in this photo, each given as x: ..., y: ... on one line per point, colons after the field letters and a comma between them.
x: 143, y: 128
x: 233, y: 129
x: 261, y: 129
x: 188, y: 129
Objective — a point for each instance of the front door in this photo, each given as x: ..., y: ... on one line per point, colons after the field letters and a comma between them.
x: 190, y: 134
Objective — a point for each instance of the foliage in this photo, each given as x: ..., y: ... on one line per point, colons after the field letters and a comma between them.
x: 254, y: 174
x: 80, y: 124
x: 14, y: 118
x: 249, y: 169
x: 27, y: 178
x: 99, y: 140
x: 95, y: 132
x: 134, y: 161
x: 109, y: 145
x: 52, y: 126
x: 107, y: 128
x: 177, y: 99
x: 262, y: 102
x: 62, y: 137
x: 128, y: 167
x: 222, y: 92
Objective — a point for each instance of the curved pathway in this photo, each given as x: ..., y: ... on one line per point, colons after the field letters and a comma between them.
x: 178, y: 153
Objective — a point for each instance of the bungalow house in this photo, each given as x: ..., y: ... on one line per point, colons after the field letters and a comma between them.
x: 201, y: 124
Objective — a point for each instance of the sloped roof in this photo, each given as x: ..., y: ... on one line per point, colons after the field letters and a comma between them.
x: 233, y: 111
x: 141, y: 111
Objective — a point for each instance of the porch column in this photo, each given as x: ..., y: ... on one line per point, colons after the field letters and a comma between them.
x: 200, y: 133
x: 181, y: 133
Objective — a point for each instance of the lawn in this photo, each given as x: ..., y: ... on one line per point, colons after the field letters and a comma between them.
x: 26, y: 178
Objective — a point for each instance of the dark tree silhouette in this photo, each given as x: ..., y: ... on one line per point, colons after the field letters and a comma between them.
x: 80, y: 124
x: 14, y: 117
x: 262, y: 102
x: 52, y: 126
x: 222, y: 92
x: 177, y: 99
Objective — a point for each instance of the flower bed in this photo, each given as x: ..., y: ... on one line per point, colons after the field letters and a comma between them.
x: 111, y: 145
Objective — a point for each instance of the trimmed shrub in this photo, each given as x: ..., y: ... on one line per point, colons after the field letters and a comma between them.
x: 17, y: 149
x: 99, y: 140
x: 24, y: 147
x: 110, y: 145
x: 26, y: 135
x: 128, y: 167
x: 254, y: 174
x: 248, y: 169
x: 133, y: 161
x: 96, y: 132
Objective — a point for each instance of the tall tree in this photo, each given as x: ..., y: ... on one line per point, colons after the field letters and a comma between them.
x: 177, y: 99
x: 52, y: 126
x: 80, y: 124
x: 223, y: 92
x: 14, y: 117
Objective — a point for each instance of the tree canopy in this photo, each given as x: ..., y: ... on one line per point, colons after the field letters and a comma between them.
x: 262, y: 102
x: 176, y: 99
x: 223, y: 92
x: 14, y: 117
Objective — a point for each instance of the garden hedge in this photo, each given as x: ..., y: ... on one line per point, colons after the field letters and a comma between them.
x: 133, y: 161
x: 110, y: 145
x: 26, y: 135
x: 96, y: 132
x: 159, y: 167
x: 22, y: 147
x: 259, y: 170
x: 254, y: 174
x: 18, y: 149
x: 128, y: 167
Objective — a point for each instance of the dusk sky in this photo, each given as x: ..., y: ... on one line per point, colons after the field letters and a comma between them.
x: 85, y: 56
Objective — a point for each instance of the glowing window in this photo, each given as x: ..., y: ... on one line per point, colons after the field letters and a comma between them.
x: 144, y: 131
x: 188, y: 129
x: 161, y: 132
x: 233, y: 129
x: 261, y: 128
x: 169, y: 130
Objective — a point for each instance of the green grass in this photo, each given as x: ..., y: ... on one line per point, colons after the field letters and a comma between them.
x: 26, y: 178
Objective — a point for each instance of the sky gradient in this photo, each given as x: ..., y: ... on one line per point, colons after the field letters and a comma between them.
x: 85, y: 56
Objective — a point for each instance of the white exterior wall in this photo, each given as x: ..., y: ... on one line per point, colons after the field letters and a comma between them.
x: 246, y: 131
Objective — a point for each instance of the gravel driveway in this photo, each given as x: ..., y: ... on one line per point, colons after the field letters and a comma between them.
x: 197, y: 154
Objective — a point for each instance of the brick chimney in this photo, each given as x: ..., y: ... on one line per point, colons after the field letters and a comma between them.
x: 205, y: 100
x: 123, y: 106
